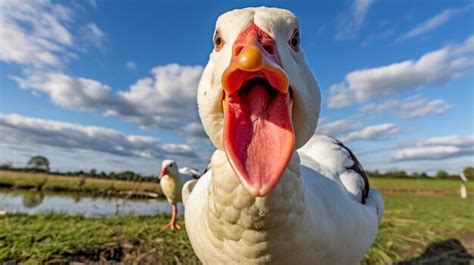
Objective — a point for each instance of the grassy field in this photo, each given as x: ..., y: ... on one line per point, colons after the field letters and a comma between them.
x: 46, y: 182
x: 420, y: 186
x: 45, y: 237
x: 412, y: 222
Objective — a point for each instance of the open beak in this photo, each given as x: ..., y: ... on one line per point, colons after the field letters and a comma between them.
x: 258, y: 132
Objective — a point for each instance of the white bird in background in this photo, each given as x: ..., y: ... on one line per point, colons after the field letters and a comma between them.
x: 261, y: 201
x: 170, y: 182
x: 463, y: 190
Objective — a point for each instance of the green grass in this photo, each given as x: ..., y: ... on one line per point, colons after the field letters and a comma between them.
x: 446, y: 185
x: 411, y: 223
x: 41, y: 237
x: 47, y: 182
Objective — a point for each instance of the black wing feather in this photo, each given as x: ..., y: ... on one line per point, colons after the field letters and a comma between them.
x: 357, y: 167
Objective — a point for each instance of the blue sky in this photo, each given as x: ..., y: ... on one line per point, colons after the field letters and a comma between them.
x: 111, y: 84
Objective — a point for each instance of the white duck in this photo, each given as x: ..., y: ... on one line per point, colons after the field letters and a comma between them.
x: 170, y: 183
x: 261, y: 201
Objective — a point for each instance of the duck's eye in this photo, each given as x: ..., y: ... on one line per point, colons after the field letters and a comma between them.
x: 218, y: 41
x: 295, y: 40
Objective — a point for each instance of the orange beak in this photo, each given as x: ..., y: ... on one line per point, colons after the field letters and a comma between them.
x: 252, y: 59
x: 258, y: 131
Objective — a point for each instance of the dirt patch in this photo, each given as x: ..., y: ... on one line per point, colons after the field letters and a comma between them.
x: 120, y: 252
x: 453, y: 251
x: 467, y: 240
x: 414, y: 248
x: 416, y: 191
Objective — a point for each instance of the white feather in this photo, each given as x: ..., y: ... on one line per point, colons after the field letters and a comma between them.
x: 187, y: 189
x: 463, y: 191
x: 170, y: 183
x: 192, y: 172
x: 307, y: 219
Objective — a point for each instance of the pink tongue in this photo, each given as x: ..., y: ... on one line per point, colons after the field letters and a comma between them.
x: 258, y: 137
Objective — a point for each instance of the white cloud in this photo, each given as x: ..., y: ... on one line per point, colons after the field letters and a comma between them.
x: 409, y: 108
x: 377, y: 36
x: 38, y: 33
x: 333, y: 128
x: 67, y: 91
x: 426, y: 152
x: 421, y: 107
x: 436, y: 148
x: 63, y: 160
x: 131, y: 66
x: 432, y: 68
x: 42, y: 37
x: 455, y: 140
x: 385, y: 106
x: 433, y: 23
x: 93, y: 36
x: 165, y: 100
x: 20, y: 131
x: 37, y: 43
x: 373, y: 132
x: 350, y: 21
x: 452, y: 165
x: 340, y: 96
x: 177, y: 148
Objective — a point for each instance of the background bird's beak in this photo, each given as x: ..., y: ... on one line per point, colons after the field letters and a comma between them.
x: 258, y: 132
x: 164, y: 171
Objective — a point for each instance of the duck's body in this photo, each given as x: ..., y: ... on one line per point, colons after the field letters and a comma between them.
x: 170, y: 183
x: 307, y: 219
x: 171, y: 188
x: 261, y: 201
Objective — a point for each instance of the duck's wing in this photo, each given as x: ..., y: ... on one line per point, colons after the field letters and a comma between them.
x: 192, y: 172
x: 189, y: 185
x: 187, y: 189
x: 334, y: 160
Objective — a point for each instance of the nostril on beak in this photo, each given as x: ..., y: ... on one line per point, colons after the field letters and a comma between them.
x: 269, y: 48
x: 238, y: 49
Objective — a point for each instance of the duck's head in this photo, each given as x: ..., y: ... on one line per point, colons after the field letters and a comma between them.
x: 258, y: 100
x: 170, y: 168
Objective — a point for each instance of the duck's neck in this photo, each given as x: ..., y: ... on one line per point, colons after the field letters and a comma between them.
x: 231, y: 206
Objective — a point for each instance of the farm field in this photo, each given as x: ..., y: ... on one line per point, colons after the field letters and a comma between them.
x: 413, y: 222
x: 53, y: 183
x: 420, y: 186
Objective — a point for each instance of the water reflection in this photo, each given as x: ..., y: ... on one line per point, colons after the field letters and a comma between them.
x: 36, y: 202
x: 32, y: 199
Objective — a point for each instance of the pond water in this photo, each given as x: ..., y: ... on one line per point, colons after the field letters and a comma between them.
x: 36, y: 202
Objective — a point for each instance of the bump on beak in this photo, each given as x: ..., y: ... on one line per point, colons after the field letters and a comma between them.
x: 250, y: 59
x: 254, y: 54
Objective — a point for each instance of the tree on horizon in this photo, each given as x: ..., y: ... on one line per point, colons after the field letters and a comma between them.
x: 39, y: 163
